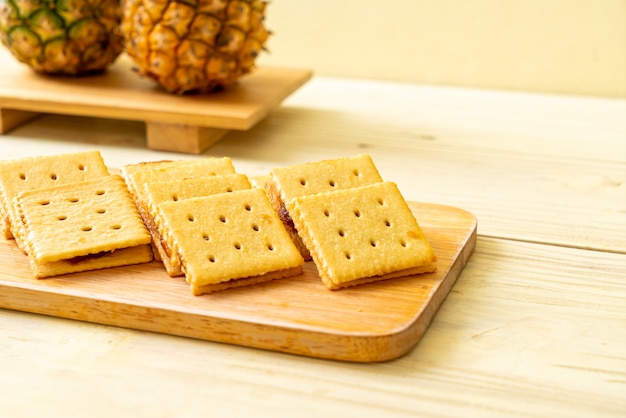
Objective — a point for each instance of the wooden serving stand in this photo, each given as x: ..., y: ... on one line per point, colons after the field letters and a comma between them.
x: 187, y: 123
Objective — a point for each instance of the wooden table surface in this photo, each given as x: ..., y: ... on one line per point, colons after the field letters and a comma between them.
x: 535, y: 326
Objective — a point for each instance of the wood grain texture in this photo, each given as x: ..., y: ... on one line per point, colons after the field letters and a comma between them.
x: 523, y: 164
x: 527, y: 331
x: 120, y: 93
x: 296, y: 315
x: 532, y: 328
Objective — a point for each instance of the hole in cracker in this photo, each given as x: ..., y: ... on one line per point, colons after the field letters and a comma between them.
x: 53, y: 176
x: 356, y: 173
x: 101, y: 211
x: 348, y: 256
x: 223, y: 219
x: 303, y: 182
x: 44, y: 202
x: 381, y: 202
x: 341, y: 233
x: 191, y: 218
x: 331, y: 183
x: 206, y: 237
x: 61, y: 218
x: 270, y: 247
x: 86, y: 228
x: 403, y: 243
x: 357, y: 213
x: 387, y: 223
x: 116, y: 227
x: 174, y: 198
x: 211, y: 259
x: 73, y: 199
x: 255, y: 227
x: 22, y: 176
x: 100, y: 192
x: 326, y: 213
x: 81, y: 167
x: 248, y: 208
x: 237, y: 246
x: 373, y: 243
x: 229, y: 190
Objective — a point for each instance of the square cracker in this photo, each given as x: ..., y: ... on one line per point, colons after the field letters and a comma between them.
x: 39, y: 172
x: 362, y: 235
x: 322, y: 176
x: 287, y: 183
x: 138, y: 174
x: 92, y: 220
x: 156, y: 193
x: 228, y: 240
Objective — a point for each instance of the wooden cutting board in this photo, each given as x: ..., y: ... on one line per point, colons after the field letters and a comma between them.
x: 373, y: 322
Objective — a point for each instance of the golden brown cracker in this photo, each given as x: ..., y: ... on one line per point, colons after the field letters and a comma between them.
x: 287, y: 183
x: 80, y: 219
x: 40, y: 172
x: 326, y: 175
x: 138, y: 174
x: 172, y: 191
x: 226, y: 237
x: 362, y: 234
x: 180, y: 189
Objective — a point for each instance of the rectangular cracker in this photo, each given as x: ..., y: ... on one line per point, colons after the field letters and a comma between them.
x: 362, y: 235
x: 156, y: 193
x: 224, y: 238
x: 288, y: 183
x: 82, y: 225
x: 39, y: 172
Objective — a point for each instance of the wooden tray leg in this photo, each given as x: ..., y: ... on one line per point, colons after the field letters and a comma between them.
x: 181, y: 138
x: 10, y: 118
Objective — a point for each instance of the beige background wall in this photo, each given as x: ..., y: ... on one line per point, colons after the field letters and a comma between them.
x: 560, y: 46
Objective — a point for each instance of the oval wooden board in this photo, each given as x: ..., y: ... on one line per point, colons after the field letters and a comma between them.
x: 373, y: 322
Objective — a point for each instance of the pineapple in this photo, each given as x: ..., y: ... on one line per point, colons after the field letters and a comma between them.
x: 194, y: 45
x: 71, y: 37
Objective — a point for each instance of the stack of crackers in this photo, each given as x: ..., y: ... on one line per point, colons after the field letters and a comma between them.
x: 356, y: 227
x: 216, y: 227
x: 68, y: 214
x: 208, y: 224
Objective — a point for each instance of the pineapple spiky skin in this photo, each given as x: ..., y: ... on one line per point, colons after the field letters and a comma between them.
x: 70, y: 37
x: 194, y: 45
